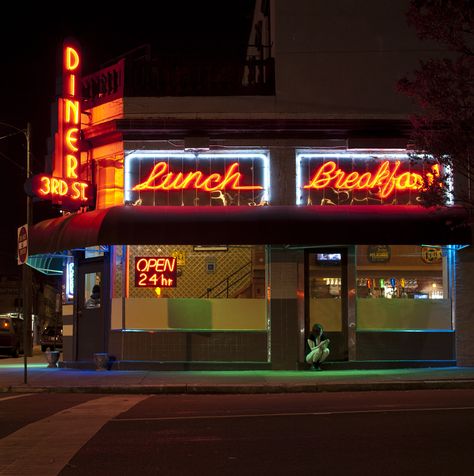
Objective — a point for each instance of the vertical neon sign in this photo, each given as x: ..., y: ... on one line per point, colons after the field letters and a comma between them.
x: 67, y: 160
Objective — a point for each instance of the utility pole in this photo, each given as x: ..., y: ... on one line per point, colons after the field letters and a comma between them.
x: 26, y: 272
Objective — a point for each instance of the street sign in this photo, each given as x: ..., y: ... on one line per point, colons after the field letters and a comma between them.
x: 22, y: 244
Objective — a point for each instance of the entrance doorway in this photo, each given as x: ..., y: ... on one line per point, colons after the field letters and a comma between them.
x: 90, y: 322
x: 326, y: 297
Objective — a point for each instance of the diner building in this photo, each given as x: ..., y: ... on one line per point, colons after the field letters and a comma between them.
x: 223, y: 209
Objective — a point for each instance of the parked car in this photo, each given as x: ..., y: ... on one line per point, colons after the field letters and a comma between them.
x: 51, y: 338
x: 11, y: 328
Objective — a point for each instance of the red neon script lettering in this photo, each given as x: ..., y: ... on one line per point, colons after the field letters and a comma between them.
x: 161, y: 178
x: 386, y: 178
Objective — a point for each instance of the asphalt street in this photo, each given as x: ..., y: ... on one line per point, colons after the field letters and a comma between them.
x: 389, y: 433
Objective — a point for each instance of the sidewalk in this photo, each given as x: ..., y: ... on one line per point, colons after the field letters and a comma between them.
x: 43, y: 379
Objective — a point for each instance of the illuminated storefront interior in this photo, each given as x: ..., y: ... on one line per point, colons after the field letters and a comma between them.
x: 224, y: 249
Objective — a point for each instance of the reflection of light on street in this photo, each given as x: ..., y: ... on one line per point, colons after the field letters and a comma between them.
x: 20, y: 365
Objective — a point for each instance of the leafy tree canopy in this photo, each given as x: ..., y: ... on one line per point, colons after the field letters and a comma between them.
x: 443, y: 87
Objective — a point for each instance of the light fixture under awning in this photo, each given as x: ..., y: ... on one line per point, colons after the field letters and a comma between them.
x: 328, y: 225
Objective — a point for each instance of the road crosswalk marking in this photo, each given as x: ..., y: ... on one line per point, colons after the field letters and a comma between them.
x: 291, y: 414
x: 44, y: 447
x: 12, y: 397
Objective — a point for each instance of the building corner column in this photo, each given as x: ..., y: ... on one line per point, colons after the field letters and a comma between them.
x: 464, y: 308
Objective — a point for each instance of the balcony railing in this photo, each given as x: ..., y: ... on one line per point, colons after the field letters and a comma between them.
x: 168, y: 77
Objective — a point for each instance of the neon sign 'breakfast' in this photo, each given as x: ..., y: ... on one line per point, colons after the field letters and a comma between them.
x: 161, y: 178
x: 386, y: 179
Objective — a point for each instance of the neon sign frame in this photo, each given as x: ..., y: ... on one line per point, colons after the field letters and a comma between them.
x: 388, y: 176
x: 231, y: 179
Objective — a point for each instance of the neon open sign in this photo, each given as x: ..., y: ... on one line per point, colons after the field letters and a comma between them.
x: 361, y: 178
x: 155, y: 272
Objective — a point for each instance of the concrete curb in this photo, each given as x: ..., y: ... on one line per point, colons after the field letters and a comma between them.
x: 247, y: 389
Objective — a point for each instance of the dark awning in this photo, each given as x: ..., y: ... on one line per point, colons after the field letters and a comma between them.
x: 336, y: 225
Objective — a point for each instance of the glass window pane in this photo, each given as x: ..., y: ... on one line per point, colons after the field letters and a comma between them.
x: 92, y: 283
x: 402, y: 287
x: 219, y: 287
x: 325, y: 282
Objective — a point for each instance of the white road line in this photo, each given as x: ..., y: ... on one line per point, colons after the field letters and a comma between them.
x: 44, y: 447
x: 15, y: 396
x: 295, y: 414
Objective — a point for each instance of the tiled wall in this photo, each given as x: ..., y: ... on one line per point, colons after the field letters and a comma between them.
x: 190, y: 346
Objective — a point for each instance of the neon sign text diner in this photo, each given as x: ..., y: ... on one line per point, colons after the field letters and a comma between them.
x: 71, y: 113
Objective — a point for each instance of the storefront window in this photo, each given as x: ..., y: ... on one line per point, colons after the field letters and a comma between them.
x: 92, y: 283
x: 204, y: 272
x: 219, y: 287
x: 403, y: 287
x: 94, y: 252
x: 325, y: 288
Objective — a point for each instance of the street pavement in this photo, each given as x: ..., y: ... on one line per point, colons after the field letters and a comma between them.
x: 43, y: 379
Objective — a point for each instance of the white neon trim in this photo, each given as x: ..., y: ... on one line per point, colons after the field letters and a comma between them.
x: 450, y: 185
x: 299, y: 184
x: 350, y: 155
x: 152, y: 154
x: 385, y: 154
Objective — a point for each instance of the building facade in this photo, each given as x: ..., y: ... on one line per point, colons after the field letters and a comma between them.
x: 235, y: 208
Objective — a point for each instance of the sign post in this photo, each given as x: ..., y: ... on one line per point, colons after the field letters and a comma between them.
x: 23, y: 252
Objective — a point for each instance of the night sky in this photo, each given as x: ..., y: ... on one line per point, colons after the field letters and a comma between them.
x: 30, y: 42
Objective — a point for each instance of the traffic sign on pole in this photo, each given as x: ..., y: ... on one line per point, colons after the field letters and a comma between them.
x: 22, y: 244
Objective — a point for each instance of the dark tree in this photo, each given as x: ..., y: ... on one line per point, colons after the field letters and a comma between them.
x: 443, y: 87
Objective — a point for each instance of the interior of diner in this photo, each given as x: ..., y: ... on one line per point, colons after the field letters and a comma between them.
x: 399, y: 287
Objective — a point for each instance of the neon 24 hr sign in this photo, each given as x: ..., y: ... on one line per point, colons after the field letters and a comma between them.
x: 155, y: 272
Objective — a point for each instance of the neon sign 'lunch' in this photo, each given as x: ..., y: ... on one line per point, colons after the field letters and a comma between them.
x: 161, y: 178
x: 386, y: 179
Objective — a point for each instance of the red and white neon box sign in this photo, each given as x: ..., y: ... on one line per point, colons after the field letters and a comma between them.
x: 180, y: 178
x: 362, y: 178
x: 155, y: 272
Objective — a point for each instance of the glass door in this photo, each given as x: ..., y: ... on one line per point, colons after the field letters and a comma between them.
x: 90, y: 323
x: 326, y: 297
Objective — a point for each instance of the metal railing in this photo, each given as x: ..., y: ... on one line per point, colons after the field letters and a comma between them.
x: 228, y: 282
x: 170, y: 77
